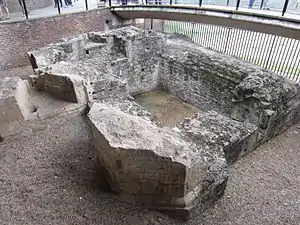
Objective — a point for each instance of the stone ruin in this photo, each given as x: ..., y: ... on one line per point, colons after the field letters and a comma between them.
x: 167, y: 115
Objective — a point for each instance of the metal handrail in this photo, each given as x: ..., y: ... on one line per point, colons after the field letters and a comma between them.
x: 165, y: 3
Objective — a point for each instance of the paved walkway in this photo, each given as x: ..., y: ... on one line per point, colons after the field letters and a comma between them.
x: 51, y: 11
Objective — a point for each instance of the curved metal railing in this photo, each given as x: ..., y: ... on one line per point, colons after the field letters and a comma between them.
x: 278, y: 8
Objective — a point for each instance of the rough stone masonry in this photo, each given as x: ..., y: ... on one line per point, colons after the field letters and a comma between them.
x: 181, y: 168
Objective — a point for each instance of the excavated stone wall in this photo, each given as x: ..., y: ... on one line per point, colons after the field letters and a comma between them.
x: 179, y: 168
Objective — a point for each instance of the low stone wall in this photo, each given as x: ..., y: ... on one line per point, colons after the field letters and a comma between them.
x: 17, y: 38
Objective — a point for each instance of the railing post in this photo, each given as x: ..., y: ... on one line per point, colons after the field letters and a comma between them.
x: 58, y: 6
x: 285, y: 7
x: 193, y: 30
x: 200, y: 3
x: 227, y: 3
x: 262, y: 4
x: 170, y: 2
x: 237, y: 4
x: 146, y: 1
x: 25, y: 9
x: 227, y: 39
x: 109, y: 3
x: 271, y: 50
x: 86, y: 5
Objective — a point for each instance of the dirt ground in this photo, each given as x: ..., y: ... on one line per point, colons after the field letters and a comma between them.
x: 53, y: 178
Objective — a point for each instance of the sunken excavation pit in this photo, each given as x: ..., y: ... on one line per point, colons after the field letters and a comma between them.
x: 167, y: 115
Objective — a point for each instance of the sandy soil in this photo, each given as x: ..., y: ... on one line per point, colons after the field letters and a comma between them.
x: 53, y: 178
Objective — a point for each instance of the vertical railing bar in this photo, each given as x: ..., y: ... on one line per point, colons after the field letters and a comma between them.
x: 172, y: 27
x: 220, y: 37
x: 265, y: 46
x: 286, y: 44
x: 237, y: 41
x: 295, y: 62
x: 200, y: 3
x: 215, y: 45
x: 297, y: 74
x: 168, y: 26
x: 285, y: 7
x: 193, y: 30
x: 291, y: 40
x: 253, y: 50
x: 202, y: 34
x: 212, y: 37
x: 86, y: 5
x: 262, y: 4
x: 200, y: 28
x: 289, y: 56
x: 58, y: 6
x: 227, y: 39
x: 251, y: 47
x: 109, y: 3
x: 279, y: 51
x: 246, y: 35
x: 199, y: 32
x: 188, y: 30
x: 260, y: 52
x: 207, y: 35
x: 196, y: 31
x: 292, y: 59
x: 249, y: 43
x: 274, y: 54
x: 181, y: 30
x: 231, y: 41
x: 242, y: 37
x: 25, y: 9
x: 237, y: 4
x: 271, y: 50
x: 218, y: 42
x: 224, y: 37
x: 210, y: 41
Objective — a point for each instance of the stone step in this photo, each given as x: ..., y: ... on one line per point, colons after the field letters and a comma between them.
x: 25, y: 109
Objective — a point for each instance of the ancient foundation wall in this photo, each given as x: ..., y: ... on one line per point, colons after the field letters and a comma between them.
x: 203, y: 79
x: 143, y: 55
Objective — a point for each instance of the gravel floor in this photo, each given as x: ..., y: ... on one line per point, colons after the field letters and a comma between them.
x: 53, y: 178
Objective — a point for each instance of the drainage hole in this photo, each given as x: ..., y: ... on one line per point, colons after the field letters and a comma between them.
x: 34, y: 109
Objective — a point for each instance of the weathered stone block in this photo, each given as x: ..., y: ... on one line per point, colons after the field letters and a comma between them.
x: 13, y: 104
x: 71, y: 88
x: 157, y: 165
